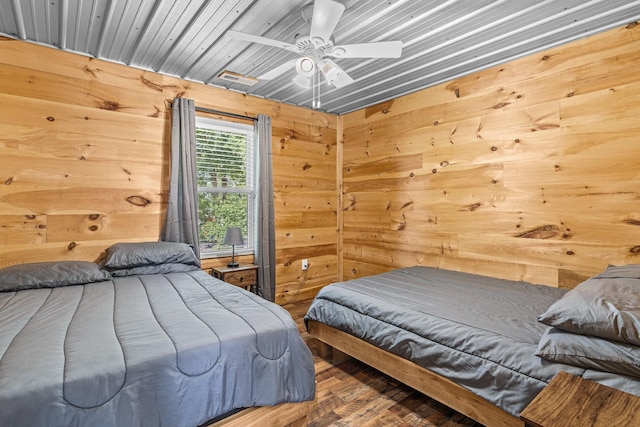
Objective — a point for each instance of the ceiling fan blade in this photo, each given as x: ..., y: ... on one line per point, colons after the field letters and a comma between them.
x: 368, y: 50
x: 326, y: 14
x: 334, y: 74
x: 261, y: 40
x: 278, y: 71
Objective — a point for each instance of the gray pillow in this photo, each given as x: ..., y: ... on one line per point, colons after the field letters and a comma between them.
x: 154, y: 269
x: 589, y: 352
x: 129, y: 255
x: 50, y: 275
x: 630, y: 271
x: 605, y: 306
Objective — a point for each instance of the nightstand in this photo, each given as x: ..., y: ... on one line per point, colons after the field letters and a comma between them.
x: 244, y: 275
x: 573, y: 401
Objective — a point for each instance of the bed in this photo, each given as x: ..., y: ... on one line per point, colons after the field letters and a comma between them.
x: 479, y: 344
x: 145, y: 338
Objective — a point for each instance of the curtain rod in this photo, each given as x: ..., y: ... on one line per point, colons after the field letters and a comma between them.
x: 224, y: 113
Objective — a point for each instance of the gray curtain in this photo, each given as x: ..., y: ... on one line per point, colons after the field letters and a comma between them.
x: 181, y: 222
x: 265, y: 256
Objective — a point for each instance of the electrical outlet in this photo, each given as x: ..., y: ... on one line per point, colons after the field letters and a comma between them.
x: 305, y: 264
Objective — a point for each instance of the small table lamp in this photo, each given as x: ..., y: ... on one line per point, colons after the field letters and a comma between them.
x: 233, y: 237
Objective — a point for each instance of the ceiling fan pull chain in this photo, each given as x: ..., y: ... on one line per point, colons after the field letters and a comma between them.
x: 315, y: 89
x: 316, y: 76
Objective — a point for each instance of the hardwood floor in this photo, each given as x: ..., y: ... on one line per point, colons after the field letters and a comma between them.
x: 353, y: 394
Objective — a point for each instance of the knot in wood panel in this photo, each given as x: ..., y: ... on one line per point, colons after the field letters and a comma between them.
x: 109, y: 105
x: 549, y: 231
x: 384, y: 108
x: 138, y: 201
x: 151, y: 85
x: 399, y: 225
x: 351, y: 205
x: 471, y: 208
x: 89, y: 71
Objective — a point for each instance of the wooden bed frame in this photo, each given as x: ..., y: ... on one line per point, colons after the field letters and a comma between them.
x: 431, y: 384
x: 285, y: 414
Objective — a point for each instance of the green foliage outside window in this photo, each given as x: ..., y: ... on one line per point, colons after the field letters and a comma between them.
x: 217, y: 212
x: 222, y: 185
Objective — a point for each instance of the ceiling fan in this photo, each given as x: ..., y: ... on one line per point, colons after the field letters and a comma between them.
x: 316, y: 44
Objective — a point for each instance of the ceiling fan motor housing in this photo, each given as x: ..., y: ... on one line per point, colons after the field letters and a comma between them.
x: 305, y: 44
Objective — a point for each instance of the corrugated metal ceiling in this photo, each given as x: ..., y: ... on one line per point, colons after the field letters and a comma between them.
x: 443, y: 39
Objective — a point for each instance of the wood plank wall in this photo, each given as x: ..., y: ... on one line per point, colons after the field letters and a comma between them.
x: 529, y: 170
x: 84, y: 148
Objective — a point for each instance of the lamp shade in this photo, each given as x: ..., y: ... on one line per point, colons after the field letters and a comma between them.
x: 233, y: 236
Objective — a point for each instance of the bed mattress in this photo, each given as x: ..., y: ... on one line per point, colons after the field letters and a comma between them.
x: 480, y: 332
x: 173, y: 349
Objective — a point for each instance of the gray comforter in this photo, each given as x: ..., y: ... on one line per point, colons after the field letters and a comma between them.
x: 173, y: 349
x: 477, y: 331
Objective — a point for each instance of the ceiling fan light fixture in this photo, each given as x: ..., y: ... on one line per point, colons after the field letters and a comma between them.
x: 331, y: 74
x: 305, y: 66
x: 334, y: 75
x: 302, y: 81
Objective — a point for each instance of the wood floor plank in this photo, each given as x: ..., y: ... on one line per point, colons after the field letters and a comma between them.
x: 351, y: 394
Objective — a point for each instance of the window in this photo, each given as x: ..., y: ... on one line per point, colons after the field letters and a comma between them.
x: 226, y: 184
